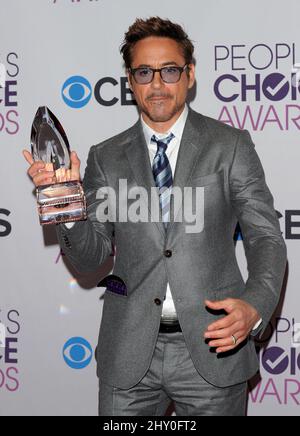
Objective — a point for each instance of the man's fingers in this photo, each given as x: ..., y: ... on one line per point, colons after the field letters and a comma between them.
x: 49, y: 166
x: 75, y: 167
x: 75, y: 161
x: 223, y: 323
x: 227, y: 341
x: 28, y: 157
x: 222, y: 333
x: 225, y: 349
x: 43, y: 174
x: 221, y: 343
x: 35, y: 166
x: 68, y: 175
x: 35, y: 169
x: 44, y: 178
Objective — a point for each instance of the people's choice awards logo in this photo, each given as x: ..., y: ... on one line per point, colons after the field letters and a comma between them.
x: 264, y: 74
x: 280, y: 364
x: 77, y: 353
x: 77, y: 92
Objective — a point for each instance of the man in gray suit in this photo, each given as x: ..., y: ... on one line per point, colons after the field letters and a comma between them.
x: 181, y: 327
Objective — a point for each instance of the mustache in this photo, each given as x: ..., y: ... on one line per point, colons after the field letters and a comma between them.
x: 160, y: 94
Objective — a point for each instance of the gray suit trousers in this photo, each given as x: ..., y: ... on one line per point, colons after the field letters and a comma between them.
x: 172, y: 376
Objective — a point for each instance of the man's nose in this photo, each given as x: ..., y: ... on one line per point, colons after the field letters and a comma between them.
x: 157, y: 80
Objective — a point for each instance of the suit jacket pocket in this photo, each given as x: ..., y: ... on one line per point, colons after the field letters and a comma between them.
x: 114, y: 297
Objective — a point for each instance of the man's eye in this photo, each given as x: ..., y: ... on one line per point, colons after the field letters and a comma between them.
x: 171, y: 70
x: 144, y: 72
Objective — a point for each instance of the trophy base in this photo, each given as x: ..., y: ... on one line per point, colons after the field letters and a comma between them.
x: 61, y: 203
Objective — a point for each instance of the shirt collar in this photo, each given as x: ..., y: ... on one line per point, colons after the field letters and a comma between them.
x: 176, y: 129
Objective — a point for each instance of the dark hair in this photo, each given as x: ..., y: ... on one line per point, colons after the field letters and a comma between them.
x: 155, y: 26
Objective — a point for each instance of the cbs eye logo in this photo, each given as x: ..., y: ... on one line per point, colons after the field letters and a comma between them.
x: 77, y: 353
x: 76, y: 92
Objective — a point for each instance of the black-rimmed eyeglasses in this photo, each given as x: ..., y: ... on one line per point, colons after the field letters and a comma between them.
x: 145, y: 75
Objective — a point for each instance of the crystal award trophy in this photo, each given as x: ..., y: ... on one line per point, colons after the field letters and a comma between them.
x: 61, y: 202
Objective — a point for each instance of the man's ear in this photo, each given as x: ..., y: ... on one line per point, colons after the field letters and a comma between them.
x: 191, y: 75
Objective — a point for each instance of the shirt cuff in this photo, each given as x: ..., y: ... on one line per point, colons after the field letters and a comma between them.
x: 257, y: 325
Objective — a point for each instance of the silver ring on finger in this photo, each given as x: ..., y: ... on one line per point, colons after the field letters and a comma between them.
x: 234, y: 340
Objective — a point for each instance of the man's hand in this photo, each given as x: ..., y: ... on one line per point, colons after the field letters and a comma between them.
x: 239, y: 322
x: 43, y: 174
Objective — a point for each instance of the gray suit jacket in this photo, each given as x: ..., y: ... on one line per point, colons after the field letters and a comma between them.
x: 202, y: 266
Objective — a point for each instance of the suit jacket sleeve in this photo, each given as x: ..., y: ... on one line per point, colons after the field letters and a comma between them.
x: 265, y: 248
x: 88, y: 243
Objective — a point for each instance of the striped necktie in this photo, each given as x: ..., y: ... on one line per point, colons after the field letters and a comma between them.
x: 163, y: 175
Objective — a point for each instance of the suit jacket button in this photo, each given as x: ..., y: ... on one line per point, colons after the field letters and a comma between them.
x: 168, y: 253
x: 157, y: 301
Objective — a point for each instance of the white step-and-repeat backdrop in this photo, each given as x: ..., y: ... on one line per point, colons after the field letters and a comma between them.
x: 65, y: 54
